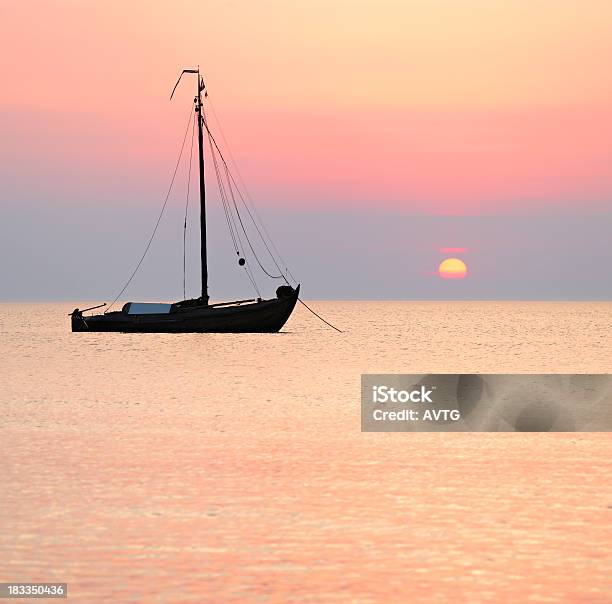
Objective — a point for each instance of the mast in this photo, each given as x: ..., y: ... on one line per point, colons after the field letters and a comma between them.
x: 198, y: 109
x: 203, y: 250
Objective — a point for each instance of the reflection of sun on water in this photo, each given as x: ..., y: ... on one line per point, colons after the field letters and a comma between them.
x: 452, y: 268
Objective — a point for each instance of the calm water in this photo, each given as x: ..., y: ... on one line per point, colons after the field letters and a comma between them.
x: 231, y: 468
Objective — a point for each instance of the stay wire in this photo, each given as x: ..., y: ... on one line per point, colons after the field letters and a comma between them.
x: 228, y: 176
x: 231, y: 177
x: 230, y: 180
x: 238, y: 247
x: 161, y: 213
x: 229, y: 215
x: 248, y: 194
x: 281, y: 276
x: 224, y: 201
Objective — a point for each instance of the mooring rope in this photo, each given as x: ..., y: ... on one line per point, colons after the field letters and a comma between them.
x: 319, y: 316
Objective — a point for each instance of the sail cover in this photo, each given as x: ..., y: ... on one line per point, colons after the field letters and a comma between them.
x: 146, y: 308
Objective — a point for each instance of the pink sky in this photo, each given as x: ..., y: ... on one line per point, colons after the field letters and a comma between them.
x: 434, y: 106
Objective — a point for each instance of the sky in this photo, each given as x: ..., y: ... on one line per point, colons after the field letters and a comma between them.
x: 372, y: 136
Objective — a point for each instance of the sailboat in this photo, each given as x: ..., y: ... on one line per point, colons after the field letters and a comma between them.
x: 255, y: 315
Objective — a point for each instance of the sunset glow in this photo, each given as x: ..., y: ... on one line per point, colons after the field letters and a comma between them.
x: 374, y: 137
x: 452, y: 250
x: 444, y: 107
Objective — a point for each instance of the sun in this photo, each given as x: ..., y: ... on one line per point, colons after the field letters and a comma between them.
x: 452, y: 268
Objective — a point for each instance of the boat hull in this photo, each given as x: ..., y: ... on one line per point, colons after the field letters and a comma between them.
x: 265, y: 316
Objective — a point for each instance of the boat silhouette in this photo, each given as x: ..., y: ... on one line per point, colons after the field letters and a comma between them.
x: 255, y: 315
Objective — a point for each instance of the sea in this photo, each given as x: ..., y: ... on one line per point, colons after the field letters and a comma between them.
x: 214, y: 468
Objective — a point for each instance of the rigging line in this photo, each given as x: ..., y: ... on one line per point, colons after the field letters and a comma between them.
x: 230, y: 217
x: 191, y: 113
x: 229, y: 209
x: 249, y: 272
x: 224, y: 201
x: 247, y: 267
x: 319, y: 316
x: 281, y: 276
x: 238, y: 247
x: 223, y: 195
x: 187, y: 206
x: 247, y: 192
x: 231, y: 179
